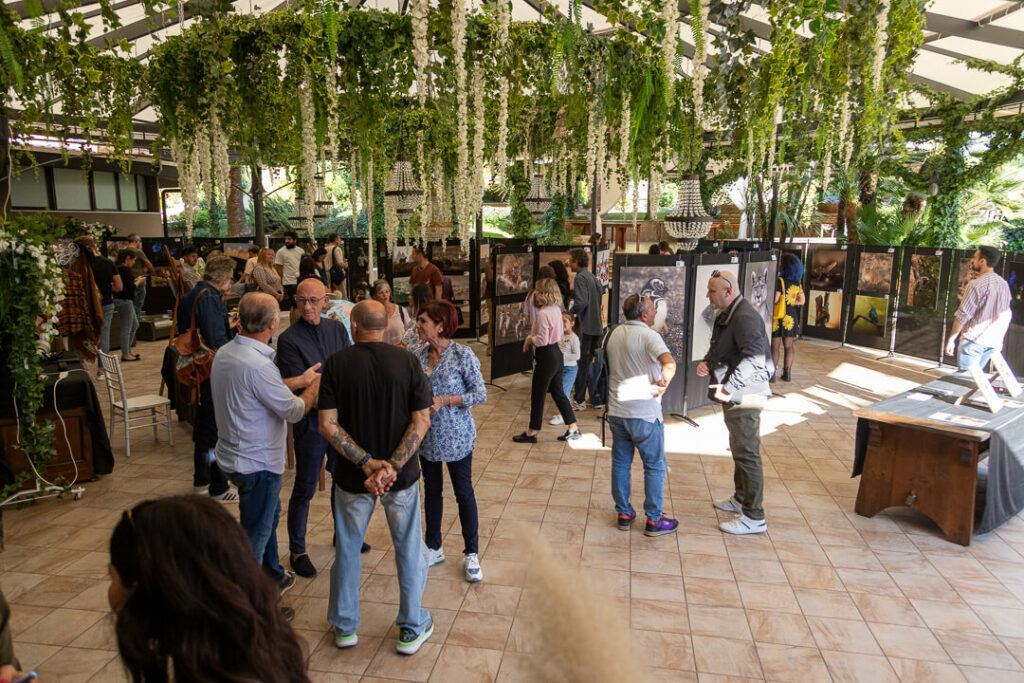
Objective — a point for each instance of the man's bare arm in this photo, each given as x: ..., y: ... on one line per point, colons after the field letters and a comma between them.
x: 410, y: 442
x: 331, y: 430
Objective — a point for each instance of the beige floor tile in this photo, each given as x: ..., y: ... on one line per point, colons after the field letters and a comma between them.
x: 789, y: 663
x: 354, y: 660
x: 949, y: 616
x: 1002, y: 622
x: 761, y: 596
x: 780, y: 628
x: 492, y: 599
x: 977, y: 649
x: 488, y: 631
x: 917, y: 671
x: 388, y: 664
x: 74, y: 664
x: 725, y: 622
x: 707, y: 567
x: 659, y: 615
x: 60, y: 627
x: 907, y: 642
x: 663, y: 650
x: 850, y: 667
x: 811, y: 576
x: 843, y: 635
x: 458, y: 664
x: 657, y: 587
x: 712, y: 592
x: 886, y: 609
x: 823, y: 603
x: 726, y: 656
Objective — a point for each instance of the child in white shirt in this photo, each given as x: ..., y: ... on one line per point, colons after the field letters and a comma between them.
x: 570, y: 346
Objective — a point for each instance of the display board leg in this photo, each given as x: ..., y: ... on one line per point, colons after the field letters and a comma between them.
x: 888, y: 355
x: 684, y: 419
x: 496, y: 386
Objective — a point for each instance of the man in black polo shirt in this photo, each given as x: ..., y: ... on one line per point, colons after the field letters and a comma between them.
x: 374, y: 410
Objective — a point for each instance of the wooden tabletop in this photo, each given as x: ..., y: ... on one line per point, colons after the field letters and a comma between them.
x: 919, y: 423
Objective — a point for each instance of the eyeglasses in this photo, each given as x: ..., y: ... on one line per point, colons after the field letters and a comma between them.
x: 301, y: 301
x: 716, y: 273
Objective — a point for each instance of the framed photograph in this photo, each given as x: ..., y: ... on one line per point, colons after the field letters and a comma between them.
x: 964, y: 275
x: 826, y: 309
x: 460, y: 287
x: 449, y: 257
x: 545, y: 258
x: 924, y: 279
x: 828, y: 269
x: 514, y: 274
x: 509, y: 324
x: 603, y: 270
x: 401, y: 261
x: 666, y: 287
x: 759, y: 289
x: 874, y: 277
x: 704, y: 313
x: 870, y: 315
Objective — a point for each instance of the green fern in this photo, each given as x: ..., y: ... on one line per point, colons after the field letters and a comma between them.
x: 9, y: 61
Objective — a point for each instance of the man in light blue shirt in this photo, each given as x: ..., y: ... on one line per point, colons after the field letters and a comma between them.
x: 640, y: 368
x: 252, y: 405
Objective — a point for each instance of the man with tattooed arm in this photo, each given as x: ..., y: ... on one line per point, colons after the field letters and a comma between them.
x: 374, y: 409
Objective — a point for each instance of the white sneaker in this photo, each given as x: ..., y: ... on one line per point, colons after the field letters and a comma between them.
x: 743, y: 525
x: 435, y: 556
x: 471, y: 563
x: 557, y: 420
x: 731, y: 505
x: 577, y: 406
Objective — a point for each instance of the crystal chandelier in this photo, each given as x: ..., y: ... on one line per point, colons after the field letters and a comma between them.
x: 400, y: 189
x: 538, y: 202
x: 688, y: 221
x: 321, y: 205
x: 298, y: 221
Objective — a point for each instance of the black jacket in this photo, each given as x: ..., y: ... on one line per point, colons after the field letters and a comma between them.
x: 740, y: 356
x: 211, y: 315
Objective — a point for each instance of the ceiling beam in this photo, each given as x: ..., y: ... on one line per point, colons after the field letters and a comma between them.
x: 144, y: 26
x: 962, y: 95
x: 945, y: 26
x: 49, y: 6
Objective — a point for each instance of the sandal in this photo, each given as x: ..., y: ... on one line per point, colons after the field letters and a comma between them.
x: 126, y: 359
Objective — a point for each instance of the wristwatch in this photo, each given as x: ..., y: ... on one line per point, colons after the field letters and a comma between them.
x: 364, y: 460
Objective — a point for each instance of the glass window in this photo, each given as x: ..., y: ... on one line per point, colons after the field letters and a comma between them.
x: 104, y: 186
x: 28, y: 189
x: 140, y: 186
x: 71, y: 186
x: 126, y: 185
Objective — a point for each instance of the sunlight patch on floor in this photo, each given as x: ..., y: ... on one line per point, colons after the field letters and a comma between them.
x: 877, y: 383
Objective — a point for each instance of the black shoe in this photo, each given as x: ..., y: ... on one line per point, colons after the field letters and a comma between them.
x: 525, y: 438
x: 365, y: 548
x: 288, y: 613
x: 303, y: 566
x: 785, y: 376
x: 570, y: 436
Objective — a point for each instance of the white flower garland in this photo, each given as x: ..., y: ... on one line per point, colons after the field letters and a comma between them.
x: 699, y: 22
x: 670, y: 15
x: 353, y: 189
x: 602, y: 155
x: 503, y: 17
x: 205, y: 159
x: 591, y: 167
x: 773, y: 138
x: 624, y: 133
x: 332, y: 121
x: 188, y: 176
x: 420, y: 13
x: 221, y: 160
x: 307, y: 172
x: 878, y: 47
x: 463, y: 172
x: 844, y: 138
x: 19, y: 249
x: 479, y: 112
x: 636, y: 200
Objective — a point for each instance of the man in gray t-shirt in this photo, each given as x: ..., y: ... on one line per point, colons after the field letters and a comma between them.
x: 640, y: 368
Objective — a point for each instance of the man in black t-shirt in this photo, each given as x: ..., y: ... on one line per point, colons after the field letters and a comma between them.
x: 374, y: 410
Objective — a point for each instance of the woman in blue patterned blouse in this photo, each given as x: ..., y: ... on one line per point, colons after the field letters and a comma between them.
x: 455, y: 379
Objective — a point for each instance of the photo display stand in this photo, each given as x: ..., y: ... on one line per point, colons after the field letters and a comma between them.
x: 515, y: 269
x: 454, y: 265
x: 827, y: 272
x: 873, y: 286
x: 706, y: 246
x: 480, y: 308
x: 1013, y: 344
x: 921, y: 304
x: 159, y: 297
x: 743, y: 246
x: 960, y: 274
x: 759, y: 278
x: 665, y: 280
x: 700, y: 321
x: 356, y: 255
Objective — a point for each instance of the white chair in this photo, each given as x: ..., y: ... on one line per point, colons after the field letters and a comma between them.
x: 122, y: 407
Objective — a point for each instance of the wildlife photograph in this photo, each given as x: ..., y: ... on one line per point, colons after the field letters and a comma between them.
x: 869, y: 315
x: 666, y: 287
x: 825, y: 309
x: 828, y: 269
x: 875, y: 274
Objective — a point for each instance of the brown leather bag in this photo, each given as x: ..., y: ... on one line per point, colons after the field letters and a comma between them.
x: 195, y: 359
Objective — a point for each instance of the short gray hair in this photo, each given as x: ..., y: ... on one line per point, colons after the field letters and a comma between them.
x: 218, y: 269
x: 256, y: 311
x: 380, y: 284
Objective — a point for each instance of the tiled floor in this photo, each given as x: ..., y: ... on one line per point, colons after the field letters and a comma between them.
x: 826, y: 594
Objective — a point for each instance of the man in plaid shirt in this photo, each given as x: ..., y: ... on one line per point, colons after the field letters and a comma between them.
x: 984, y: 313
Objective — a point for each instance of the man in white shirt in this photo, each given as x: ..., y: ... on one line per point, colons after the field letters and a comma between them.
x: 252, y: 405
x: 286, y: 261
x: 640, y: 368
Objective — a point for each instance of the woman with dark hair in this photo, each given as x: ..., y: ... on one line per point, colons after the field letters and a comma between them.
x: 455, y: 379
x: 124, y: 302
x: 191, y: 602
x: 786, y: 329
x: 307, y: 268
x: 562, y: 278
x: 547, y: 372
x: 420, y: 296
x: 320, y: 260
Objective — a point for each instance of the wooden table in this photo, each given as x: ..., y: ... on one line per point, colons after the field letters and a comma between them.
x: 929, y: 466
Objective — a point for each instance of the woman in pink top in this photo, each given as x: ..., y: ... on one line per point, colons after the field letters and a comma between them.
x: 547, y: 373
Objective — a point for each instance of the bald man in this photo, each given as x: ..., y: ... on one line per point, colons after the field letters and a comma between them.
x: 739, y: 361
x: 252, y: 405
x: 374, y: 410
x: 301, y: 350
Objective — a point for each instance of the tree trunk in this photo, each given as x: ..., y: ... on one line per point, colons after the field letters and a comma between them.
x: 913, y: 206
x: 236, y: 207
x: 257, y: 205
x: 868, y: 183
x: 841, y: 216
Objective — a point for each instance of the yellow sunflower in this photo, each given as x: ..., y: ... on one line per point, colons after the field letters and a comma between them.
x: 791, y: 294
x: 787, y: 322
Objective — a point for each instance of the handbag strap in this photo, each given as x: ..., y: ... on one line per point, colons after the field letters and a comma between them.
x: 192, y: 322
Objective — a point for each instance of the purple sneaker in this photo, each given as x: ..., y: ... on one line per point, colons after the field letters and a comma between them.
x: 665, y: 525
x: 625, y: 521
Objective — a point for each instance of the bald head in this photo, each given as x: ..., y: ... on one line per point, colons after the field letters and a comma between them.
x: 257, y: 313
x: 723, y: 288
x: 369, y: 318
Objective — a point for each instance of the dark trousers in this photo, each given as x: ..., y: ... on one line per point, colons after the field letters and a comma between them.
x: 547, y: 379
x: 259, y: 509
x: 310, y: 449
x: 743, y: 420
x: 461, y: 474
x: 204, y: 435
x: 588, y: 344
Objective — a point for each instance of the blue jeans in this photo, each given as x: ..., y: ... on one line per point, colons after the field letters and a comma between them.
x: 568, y: 378
x: 352, y: 513
x: 129, y: 323
x: 973, y: 353
x: 649, y: 438
x: 108, y: 315
x: 138, y: 301
x: 259, y: 507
